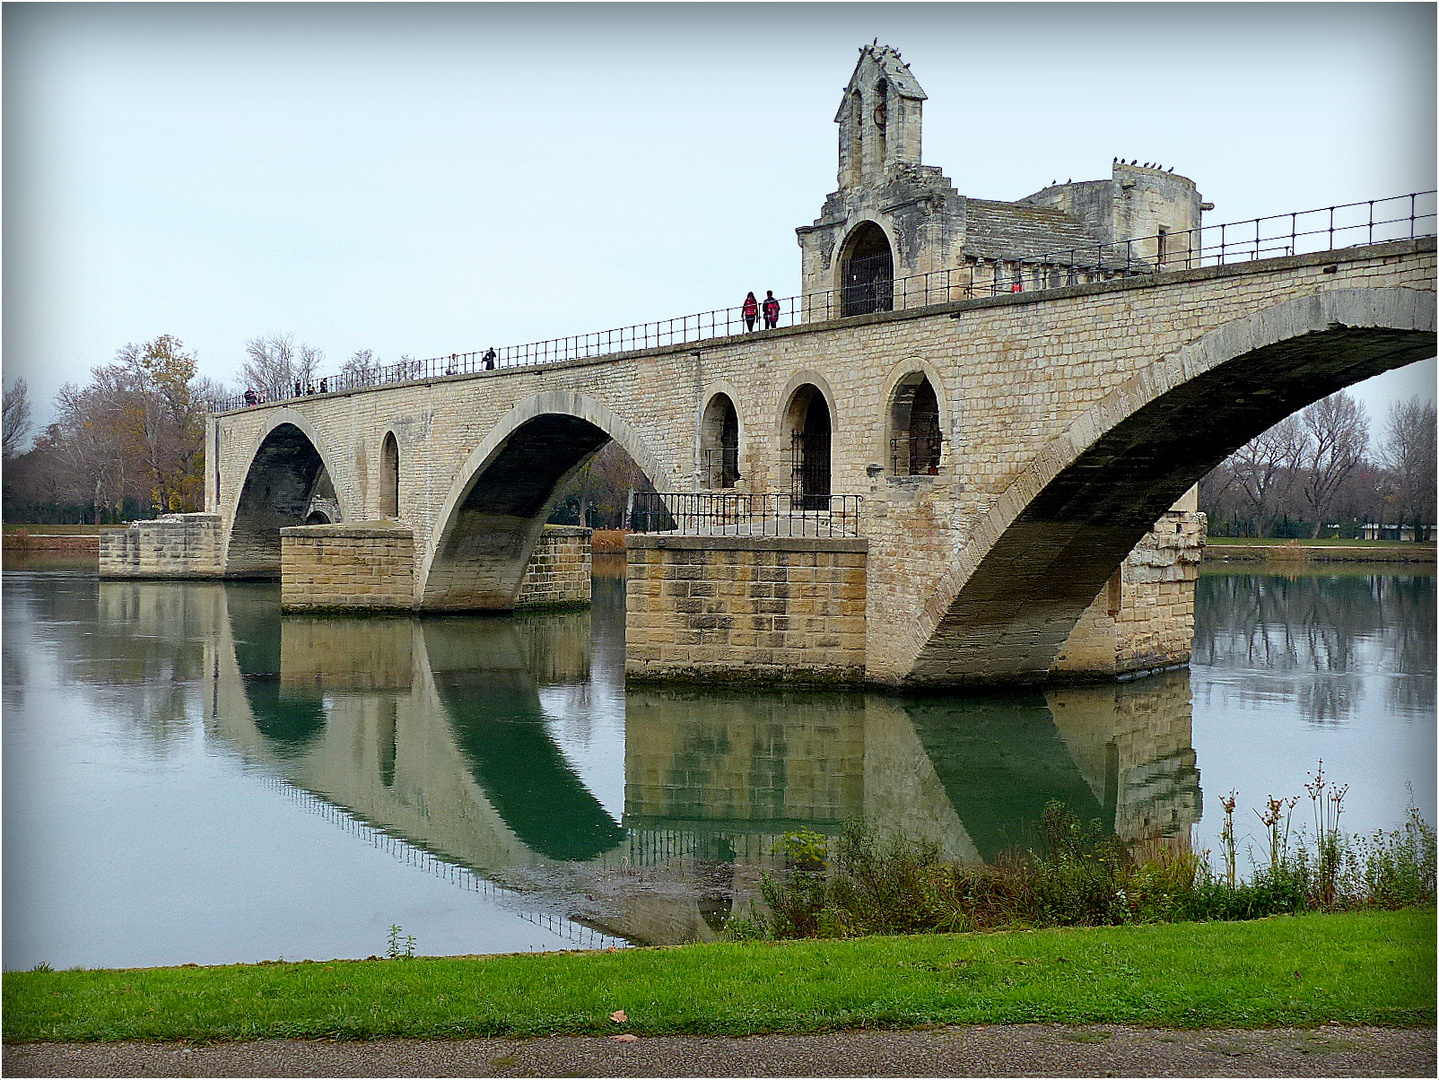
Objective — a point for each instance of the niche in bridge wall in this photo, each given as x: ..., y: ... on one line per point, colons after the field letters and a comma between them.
x: 286, y: 479
x: 867, y: 271
x: 914, y: 434
x: 808, y: 421
x: 389, y: 501
x: 719, y: 443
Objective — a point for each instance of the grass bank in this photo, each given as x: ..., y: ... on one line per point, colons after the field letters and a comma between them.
x: 1231, y: 548
x: 1369, y: 968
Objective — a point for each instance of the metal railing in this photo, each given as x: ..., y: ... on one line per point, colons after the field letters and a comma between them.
x: 715, y: 513
x: 1401, y: 217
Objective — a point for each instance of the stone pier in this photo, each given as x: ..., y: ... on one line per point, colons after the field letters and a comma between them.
x: 172, y: 546
x: 746, y: 608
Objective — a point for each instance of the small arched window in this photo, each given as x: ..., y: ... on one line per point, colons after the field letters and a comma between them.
x: 390, y: 477
x: 915, y: 441
x: 719, y: 443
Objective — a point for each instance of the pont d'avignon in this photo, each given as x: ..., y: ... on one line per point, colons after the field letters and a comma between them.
x: 966, y: 453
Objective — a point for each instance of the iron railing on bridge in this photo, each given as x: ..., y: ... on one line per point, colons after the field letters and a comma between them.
x: 725, y: 513
x: 1401, y: 217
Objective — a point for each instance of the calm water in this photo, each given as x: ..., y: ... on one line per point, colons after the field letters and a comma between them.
x: 190, y: 778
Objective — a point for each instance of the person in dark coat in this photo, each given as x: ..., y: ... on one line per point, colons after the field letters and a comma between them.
x: 251, y: 398
x: 490, y: 360
x: 750, y: 310
x: 771, y: 310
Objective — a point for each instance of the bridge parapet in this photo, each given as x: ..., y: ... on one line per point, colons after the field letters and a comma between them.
x: 1330, y: 228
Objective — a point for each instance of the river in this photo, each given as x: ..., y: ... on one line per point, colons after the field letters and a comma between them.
x: 190, y: 778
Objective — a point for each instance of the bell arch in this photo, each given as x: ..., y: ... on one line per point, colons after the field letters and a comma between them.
x: 866, y: 271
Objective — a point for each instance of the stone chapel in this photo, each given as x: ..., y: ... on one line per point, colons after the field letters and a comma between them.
x: 898, y: 234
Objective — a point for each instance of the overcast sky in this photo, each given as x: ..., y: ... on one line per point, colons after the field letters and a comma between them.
x: 426, y: 179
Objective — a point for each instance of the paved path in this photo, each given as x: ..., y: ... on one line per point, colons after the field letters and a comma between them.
x: 1023, y: 1050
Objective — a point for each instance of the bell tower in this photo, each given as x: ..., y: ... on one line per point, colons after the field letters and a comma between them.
x: 879, y: 119
x: 892, y: 217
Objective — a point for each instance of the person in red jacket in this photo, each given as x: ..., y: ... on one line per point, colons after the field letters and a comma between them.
x: 771, y: 310
x: 751, y: 311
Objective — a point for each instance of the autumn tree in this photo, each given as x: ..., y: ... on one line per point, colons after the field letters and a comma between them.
x: 1266, y: 468
x: 1409, y: 455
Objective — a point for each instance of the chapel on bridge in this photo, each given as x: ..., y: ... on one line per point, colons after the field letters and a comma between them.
x: 895, y: 219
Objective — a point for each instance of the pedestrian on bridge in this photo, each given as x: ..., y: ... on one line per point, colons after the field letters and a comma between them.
x: 750, y: 310
x: 771, y: 310
x: 490, y: 359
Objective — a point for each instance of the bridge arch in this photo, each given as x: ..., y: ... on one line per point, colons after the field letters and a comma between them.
x: 288, y: 471
x: 1051, y: 540
x: 488, y: 523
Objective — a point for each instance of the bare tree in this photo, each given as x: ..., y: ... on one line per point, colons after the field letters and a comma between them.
x: 1266, y: 468
x: 1409, y: 455
x: 275, y: 364
x: 1339, y: 437
x: 16, y: 420
x: 362, y: 369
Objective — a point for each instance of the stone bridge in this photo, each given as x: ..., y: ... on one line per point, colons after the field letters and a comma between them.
x: 1011, y: 451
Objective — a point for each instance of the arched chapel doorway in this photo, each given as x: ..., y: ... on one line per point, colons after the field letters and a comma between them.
x: 868, y: 271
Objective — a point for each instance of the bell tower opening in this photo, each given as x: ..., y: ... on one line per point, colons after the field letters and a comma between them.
x: 868, y: 271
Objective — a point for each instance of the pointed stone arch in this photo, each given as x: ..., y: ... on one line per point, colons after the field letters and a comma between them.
x: 487, y: 526
x: 866, y: 270
x: 1050, y: 542
x: 288, y: 471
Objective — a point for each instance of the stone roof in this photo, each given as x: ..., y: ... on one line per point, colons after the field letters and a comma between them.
x: 894, y: 69
x: 1005, y: 230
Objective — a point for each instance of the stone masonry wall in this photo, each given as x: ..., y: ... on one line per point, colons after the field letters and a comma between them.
x: 363, y: 566
x: 1011, y: 374
x: 754, y: 609
x: 1144, y: 620
x: 558, y: 573
x: 172, y: 546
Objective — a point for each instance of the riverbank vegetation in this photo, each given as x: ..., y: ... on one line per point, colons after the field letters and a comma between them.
x: 1318, y: 474
x: 1080, y: 875
x: 1369, y: 968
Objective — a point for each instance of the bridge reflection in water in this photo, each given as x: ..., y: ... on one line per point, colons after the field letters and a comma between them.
x: 481, y: 745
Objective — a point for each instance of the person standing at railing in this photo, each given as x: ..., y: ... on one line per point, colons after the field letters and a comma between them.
x: 251, y: 398
x: 750, y: 311
x: 771, y: 310
x: 490, y: 359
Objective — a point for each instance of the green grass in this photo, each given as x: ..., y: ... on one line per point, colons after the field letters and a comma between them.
x: 1264, y: 541
x: 59, y: 530
x: 1371, y: 968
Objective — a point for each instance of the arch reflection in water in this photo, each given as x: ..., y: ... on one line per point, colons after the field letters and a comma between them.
x: 443, y: 731
x: 433, y: 729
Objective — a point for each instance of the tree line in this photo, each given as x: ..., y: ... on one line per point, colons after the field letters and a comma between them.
x: 1319, y: 473
x: 129, y: 444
